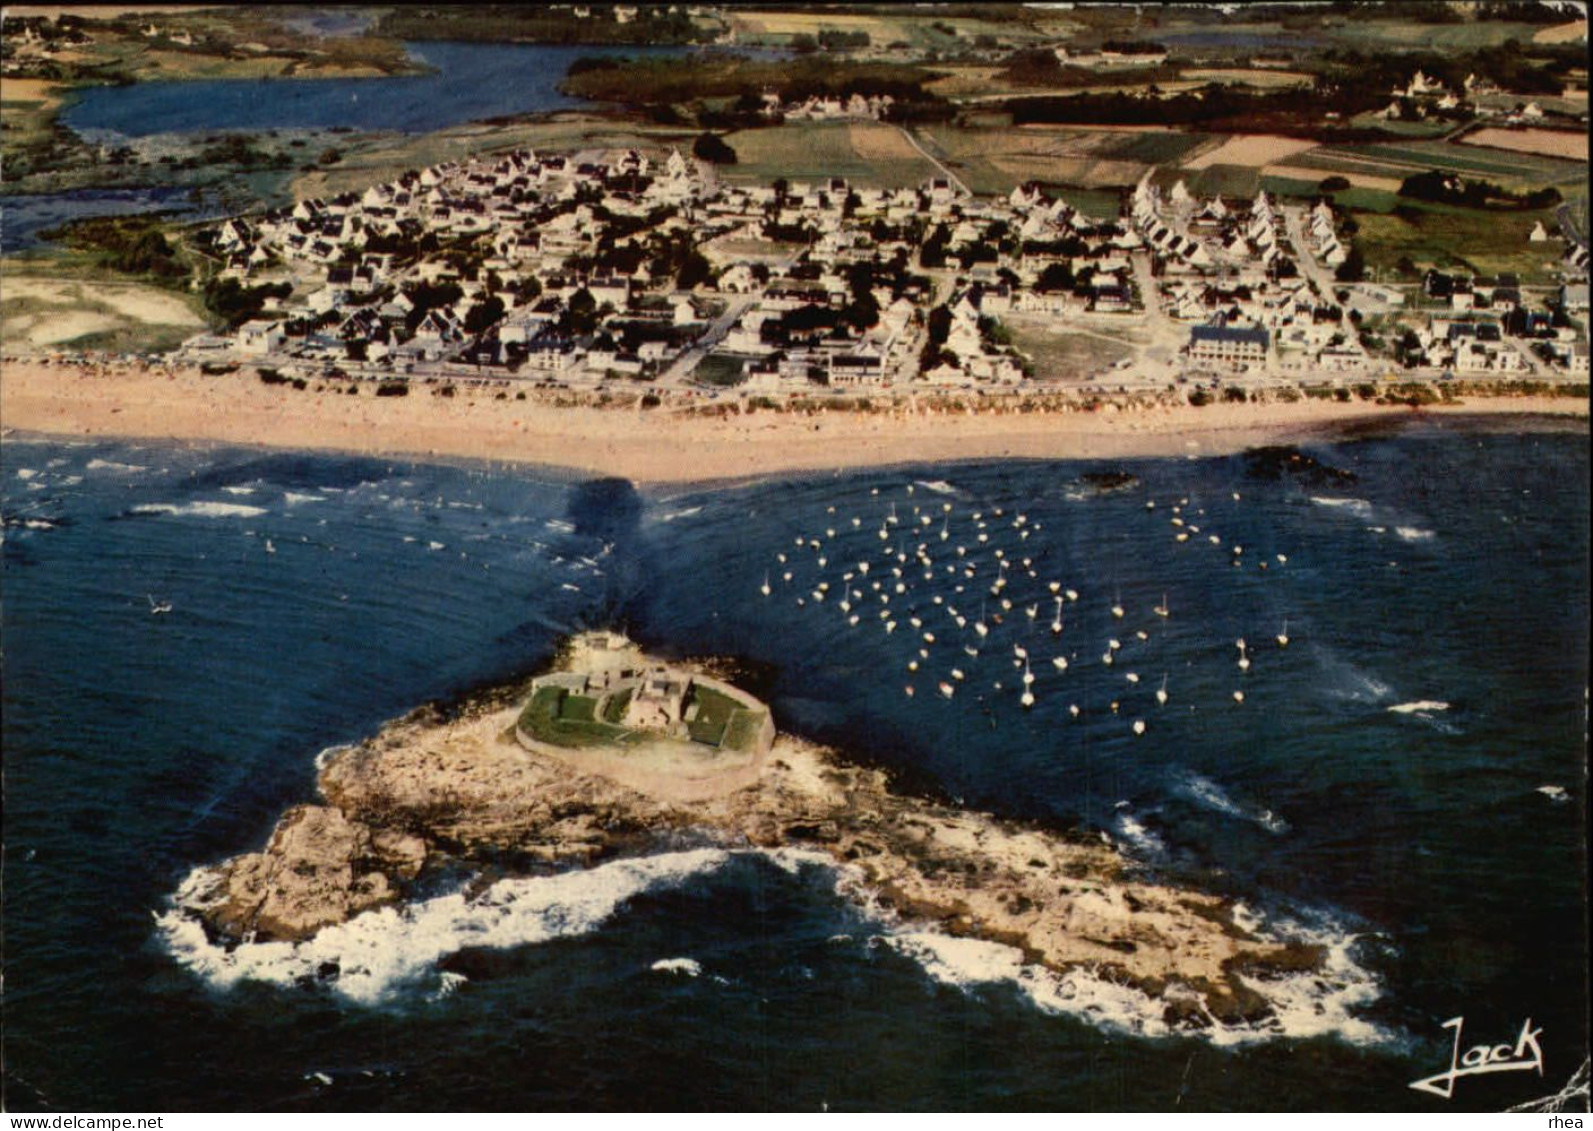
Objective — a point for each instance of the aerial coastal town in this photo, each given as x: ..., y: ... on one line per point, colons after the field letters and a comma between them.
x: 563, y: 268
x: 667, y: 270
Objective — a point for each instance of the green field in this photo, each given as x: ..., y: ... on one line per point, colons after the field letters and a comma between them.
x: 867, y: 154
x: 558, y: 718
x: 1400, y: 161
x: 714, y: 709
x: 721, y: 369
x: 1153, y: 148
x: 743, y: 730
x: 1484, y: 242
x: 1225, y: 180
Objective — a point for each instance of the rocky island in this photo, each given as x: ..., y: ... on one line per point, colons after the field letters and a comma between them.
x: 614, y: 753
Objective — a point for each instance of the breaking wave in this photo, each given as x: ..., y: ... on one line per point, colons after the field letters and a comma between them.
x: 1356, y: 506
x: 1419, y: 707
x: 199, y: 510
x: 690, y: 967
x: 1208, y: 794
x: 374, y: 955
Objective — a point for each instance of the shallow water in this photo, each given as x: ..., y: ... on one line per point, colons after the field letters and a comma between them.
x: 313, y: 597
x: 469, y: 82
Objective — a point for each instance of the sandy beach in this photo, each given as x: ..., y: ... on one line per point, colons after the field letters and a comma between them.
x: 659, y: 445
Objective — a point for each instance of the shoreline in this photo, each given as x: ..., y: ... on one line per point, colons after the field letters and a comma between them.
x: 665, y: 445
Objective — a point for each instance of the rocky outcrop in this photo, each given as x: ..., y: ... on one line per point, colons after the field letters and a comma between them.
x: 430, y: 792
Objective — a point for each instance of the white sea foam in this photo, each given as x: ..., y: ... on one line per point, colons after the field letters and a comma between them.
x: 939, y: 486
x: 381, y: 951
x: 292, y: 498
x: 560, y: 525
x: 1419, y: 707
x: 109, y: 465
x: 201, y: 510
x: 324, y: 758
x: 239, y: 490
x: 687, y: 513
x: 1314, y: 1004
x: 1358, y: 506
x: 448, y: 983
x: 1317, y: 1002
x: 1137, y: 837
x: 1413, y: 533
x: 26, y: 473
x: 1212, y: 796
x: 435, y: 546
x: 690, y: 967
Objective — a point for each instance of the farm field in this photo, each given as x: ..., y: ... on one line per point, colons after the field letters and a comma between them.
x: 1260, y: 77
x: 996, y: 160
x: 1398, y: 161
x: 867, y: 153
x: 1544, y: 143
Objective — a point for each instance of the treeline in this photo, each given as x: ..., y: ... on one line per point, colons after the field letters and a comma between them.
x: 830, y: 39
x: 1437, y: 187
x: 1296, y: 112
x: 498, y: 23
x: 1542, y: 69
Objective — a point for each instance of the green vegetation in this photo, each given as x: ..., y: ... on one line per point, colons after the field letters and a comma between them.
x: 866, y: 153
x: 714, y: 709
x: 128, y: 245
x: 743, y: 731
x: 614, y: 709
x: 720, y: 369
x: 558, y: 718
x: 1444, y: 236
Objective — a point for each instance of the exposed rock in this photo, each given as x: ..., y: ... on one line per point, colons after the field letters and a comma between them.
x: 460, y: 788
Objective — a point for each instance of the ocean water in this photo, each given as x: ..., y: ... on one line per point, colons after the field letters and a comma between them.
x: 1378, y: 790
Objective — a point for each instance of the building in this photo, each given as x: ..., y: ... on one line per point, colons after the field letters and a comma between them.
x: 659, y: 701
x: 1228, y: 344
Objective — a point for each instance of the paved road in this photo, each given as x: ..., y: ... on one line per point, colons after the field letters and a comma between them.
x: 681, y: 368
x: 1314, y: 271
x: 935, y: 161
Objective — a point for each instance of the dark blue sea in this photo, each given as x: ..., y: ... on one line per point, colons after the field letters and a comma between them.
x: 1404, y: 781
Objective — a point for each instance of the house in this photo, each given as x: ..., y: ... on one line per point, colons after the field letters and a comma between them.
x: 259, y: 337
x: 659, y: 700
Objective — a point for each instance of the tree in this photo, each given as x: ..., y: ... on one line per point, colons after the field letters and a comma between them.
x: 1333, y: 184
x: 1056, y: 277
x: 694, y: 271
x: 713, y: 149
x: 483, y: 315
x: 1353, y: 269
